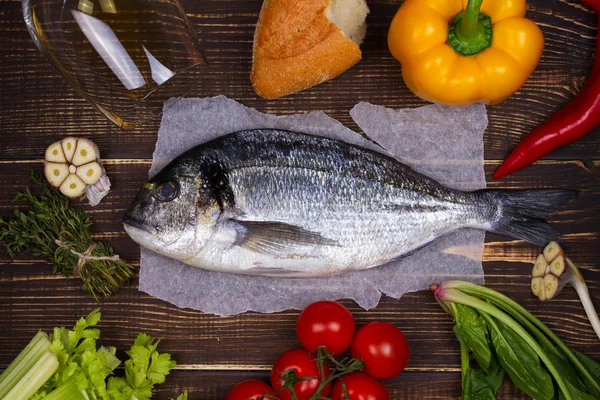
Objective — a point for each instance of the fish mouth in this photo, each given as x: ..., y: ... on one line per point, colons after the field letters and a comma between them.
x: 127, y: 220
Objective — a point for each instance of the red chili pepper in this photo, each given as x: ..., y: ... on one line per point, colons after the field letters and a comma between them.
x: 575, y: 120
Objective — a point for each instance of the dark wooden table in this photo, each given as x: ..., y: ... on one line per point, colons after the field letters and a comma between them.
x: 37, y: 107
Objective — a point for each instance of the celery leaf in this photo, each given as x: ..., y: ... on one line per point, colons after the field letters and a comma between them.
x: 144, y: 369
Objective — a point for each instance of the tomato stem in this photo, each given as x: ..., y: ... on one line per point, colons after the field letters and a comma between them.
x: 290, y: 378
x: 341, y: 369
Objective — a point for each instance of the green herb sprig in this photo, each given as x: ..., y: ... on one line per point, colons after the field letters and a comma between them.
x: 62, y: 234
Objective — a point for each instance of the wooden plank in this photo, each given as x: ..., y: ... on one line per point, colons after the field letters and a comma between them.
x: 430, y: 386
x: 204, y: 342
x: 38, y: 106
x: 29, y: 295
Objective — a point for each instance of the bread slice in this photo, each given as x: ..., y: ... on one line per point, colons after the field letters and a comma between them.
x: 301, y: 43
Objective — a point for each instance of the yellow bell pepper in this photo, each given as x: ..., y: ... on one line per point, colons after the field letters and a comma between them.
x: 459, y: 52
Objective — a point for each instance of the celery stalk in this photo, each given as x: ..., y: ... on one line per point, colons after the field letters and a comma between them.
x: 24, y: 362
x: 35, y: 377
x: 65, y: 391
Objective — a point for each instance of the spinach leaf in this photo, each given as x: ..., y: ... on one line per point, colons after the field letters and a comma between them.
x: 575, y: 393
x: 474, y: 331
x: 593, y: 367
x: 481, y: 386
x: 521, y: 362
x: 476, y: 384
x: 578, y: 394
x: 567, y: 370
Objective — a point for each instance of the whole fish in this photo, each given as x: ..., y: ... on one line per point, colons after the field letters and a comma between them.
x: 280, y: 203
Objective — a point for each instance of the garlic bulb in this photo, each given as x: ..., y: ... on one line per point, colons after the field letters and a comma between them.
x: 73, y: 166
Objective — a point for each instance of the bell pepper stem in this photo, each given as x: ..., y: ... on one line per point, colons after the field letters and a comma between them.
x: 470, y: 32
x: 469, y: 25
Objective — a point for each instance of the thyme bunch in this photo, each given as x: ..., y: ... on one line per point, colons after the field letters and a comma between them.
x: 51, y: 228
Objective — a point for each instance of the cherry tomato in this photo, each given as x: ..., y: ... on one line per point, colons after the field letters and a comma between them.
x: 304, y: 365
x: 325, y: 323
x: 382, y: 347
x: 249, y: 390
x: 359, y: 386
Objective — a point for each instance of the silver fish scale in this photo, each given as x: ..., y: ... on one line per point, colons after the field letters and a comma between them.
x: 369, y: 221
x: 372, y: 207
x: 288, y: 149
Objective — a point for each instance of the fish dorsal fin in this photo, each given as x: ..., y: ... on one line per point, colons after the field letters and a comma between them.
x: 271, y: 237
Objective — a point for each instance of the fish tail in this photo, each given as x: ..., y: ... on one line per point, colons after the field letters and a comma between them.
x: 522, y: 214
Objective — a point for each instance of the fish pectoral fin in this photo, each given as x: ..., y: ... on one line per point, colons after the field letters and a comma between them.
x: 270, y: 237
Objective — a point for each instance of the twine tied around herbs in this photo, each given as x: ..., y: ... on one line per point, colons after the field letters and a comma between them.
x: 86, y: 255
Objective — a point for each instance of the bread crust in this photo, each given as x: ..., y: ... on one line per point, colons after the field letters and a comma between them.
x: 296, y: 46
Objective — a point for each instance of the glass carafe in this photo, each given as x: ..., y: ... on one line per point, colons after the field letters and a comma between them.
x: 126, y: 57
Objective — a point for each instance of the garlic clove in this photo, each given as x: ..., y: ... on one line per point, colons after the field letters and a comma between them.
x: 54, y: 153
x: 84, y: 153
x: 550, y: 286
x: 542, y: 292
x: 68, y: 145
x: 90, y: 173
x: 539, y: 268
x: 56, y: 173
x: 73, y: 186
x: 557, y: 266
x: 536, y: 284
x: 551, y: 250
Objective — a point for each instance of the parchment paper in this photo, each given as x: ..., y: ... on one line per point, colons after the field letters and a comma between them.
x: 444, y: 143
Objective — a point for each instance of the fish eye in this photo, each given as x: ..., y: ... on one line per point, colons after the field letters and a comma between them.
x: 167, y: 191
